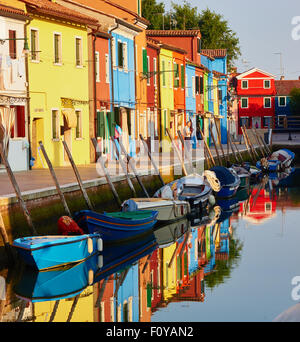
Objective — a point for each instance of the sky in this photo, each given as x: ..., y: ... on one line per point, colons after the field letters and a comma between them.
x: 269, y: 32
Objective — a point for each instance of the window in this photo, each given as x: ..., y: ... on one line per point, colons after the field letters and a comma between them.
x: 12, y: 44
x: 281, y: 121
x: 201, y: 85
x: 34, y: 44
x: 57, y: 48
x: 55, y: 124
x: 267, y: 102
x: 97, y: 66
x: 198, y: 45
x: 78, y: 134
x: 163, y: 66
x: 244, y: 121
x: 244, y: 84
x: 106, y: 68
x: 120, y: 55
x: 282, y: 101
x: 267, y: 84
x: 197, y: 84
x: 18, y: 129
x: 244, y: 102
x: 78, y: 42
x: 176, y: 75
x: 267, y: 121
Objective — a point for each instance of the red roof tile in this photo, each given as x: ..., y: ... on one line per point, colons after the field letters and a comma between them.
x: 173, y: 33
x: 215, y: 53
x: 284, y: 87
x: 11, y: 10
x: 59, y: 11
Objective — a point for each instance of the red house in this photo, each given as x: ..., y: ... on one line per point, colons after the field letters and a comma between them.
x: 255, y: 90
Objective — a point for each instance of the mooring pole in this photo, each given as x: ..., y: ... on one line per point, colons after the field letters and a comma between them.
x: 17, y: 191
x: 106, y: 174
x: 60, y: 193
x: 82, y: 189
x: 214, y: 141
x: 152, y: 160
x: 177, y: 152
x: 207, y: 148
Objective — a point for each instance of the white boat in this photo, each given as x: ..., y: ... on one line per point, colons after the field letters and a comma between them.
x: 168, y: 209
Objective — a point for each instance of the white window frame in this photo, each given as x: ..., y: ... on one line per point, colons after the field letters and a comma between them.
x: 193, y: 86
x: 97, y: 66
x: 37, y: 59
x: 154, y: 72
x: 266, y: 117
x: 59, y: 63
x: 80, y: 65
x: 242, y: 87
x: 265, y: 98
x: 113, y: 52
x: 244, y: 98
x: 281, y: 97
x: 265, y: 84
x: 279, y: 117
x: 125, y: 56
x: 107, y: 70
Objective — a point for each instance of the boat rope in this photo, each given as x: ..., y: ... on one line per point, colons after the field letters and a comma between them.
x: 264, y: 163
x: 217, y: 210
x: 212, y: 180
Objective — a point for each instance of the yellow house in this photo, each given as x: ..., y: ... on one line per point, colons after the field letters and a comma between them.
x: 58, y: 82
x: 166, y: 95
x: 169, y: 267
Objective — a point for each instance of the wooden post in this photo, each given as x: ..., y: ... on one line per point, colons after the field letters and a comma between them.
x: 219, y: 139
x: 17, y: 191
x: 152, y: 160
x: 184, y: 151
x: 258, y: 142
x: 268, y: 151
x: 123, y: 167
x: 7, y: 246
x: 178, y: 153
x: 250, y: 143
x: 248, y: 149
x: 238, y: 151
x: 82, y: 189
x: 233, y: 151
x: 60, y: 193
x: 214, y: 141
x: 129, y: 160
x: 106, y: 174
x: 207, y: 148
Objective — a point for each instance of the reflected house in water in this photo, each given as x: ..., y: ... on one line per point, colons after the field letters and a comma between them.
x: 260, y: 207
x: 210, y: 250
x: 155, y: 290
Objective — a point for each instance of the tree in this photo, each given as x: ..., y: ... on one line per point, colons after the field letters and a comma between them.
x: 154, y: 13
x: 295, y: 101
x: 216, y: 34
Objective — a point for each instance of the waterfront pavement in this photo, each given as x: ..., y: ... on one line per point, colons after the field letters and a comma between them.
x: 39, y: 183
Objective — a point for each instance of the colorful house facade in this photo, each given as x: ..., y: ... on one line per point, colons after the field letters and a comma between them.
x: 256, y: 91
x: 14, y: 111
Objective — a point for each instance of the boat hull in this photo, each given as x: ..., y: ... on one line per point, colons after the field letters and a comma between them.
x: 112, y: 229
x: 55, y: 251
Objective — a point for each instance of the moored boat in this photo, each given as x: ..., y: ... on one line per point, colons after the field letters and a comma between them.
x: 229, y: 181
x: 45, y: 252
x: 278, y: 161
x: 168, y: 209
x: 243, y: 174
x: 118, y: 225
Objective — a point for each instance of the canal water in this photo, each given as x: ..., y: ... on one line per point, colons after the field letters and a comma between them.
x: 237, y: 264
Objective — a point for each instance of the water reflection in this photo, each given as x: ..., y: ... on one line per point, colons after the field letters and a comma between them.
x: 130, y: 282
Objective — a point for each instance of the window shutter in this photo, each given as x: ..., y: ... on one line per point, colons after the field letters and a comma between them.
x: 113, y: 52
x: 145, y: 62
x: 12, y: 44
x: 100, y: 124
x: 201, y: 85
x: 111, y: 123
x: 20, y: 111
x: 182, y: 77
x: 163, y: 73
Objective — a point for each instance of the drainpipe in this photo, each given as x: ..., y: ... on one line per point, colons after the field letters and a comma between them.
x: 27, y: 97
x: 112, y: 70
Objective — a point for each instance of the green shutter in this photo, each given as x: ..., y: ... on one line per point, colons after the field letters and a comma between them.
x: 176, y: 75
x: 100, y: 125
x: 163, y: 73
x: 182, y: 77
x: 111, y: 123
x: 145, y: 62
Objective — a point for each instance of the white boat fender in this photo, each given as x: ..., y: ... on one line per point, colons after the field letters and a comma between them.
x: 212, y: 200
x: 90, y: 245
x: 100, y: 245
x: 100, y: 261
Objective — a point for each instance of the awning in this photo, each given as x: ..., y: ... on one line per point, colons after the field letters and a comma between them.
x: 70, y: 116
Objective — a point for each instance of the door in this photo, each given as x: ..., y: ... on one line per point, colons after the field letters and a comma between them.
x: 37, y: 135
x: 256, y: 122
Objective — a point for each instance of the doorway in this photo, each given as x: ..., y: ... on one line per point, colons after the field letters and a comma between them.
x: 256, y: 122
x: 68, y: 139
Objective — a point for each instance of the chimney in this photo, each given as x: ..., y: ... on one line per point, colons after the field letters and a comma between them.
x: 281, y: 78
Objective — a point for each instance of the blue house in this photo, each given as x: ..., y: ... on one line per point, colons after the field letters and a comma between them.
x: 283, y: 113
x: 123, y: 102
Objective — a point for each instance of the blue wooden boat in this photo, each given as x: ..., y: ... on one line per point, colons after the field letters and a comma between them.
x: 278, y: 161
x: 67, y: 282
x: 45, y: 252
x: 229, y: 181
x: 243, y: 174
x: 118, y: 225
